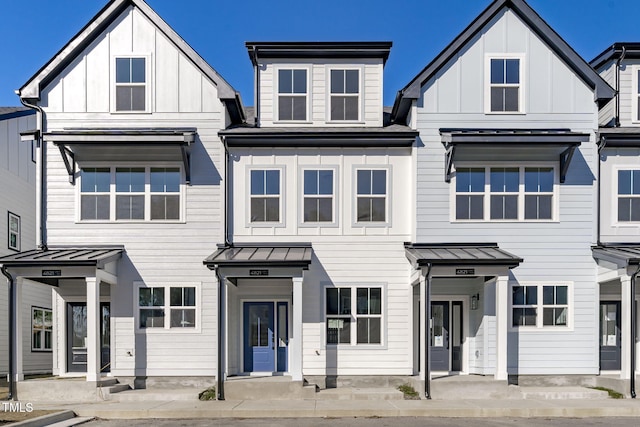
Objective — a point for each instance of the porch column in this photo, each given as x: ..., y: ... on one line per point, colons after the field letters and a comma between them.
x: 625, y: 325
x: 425, y: 330
x: 16, y: 300
x: 296, y: 347
x: 502, y: 320
x: 93, y: 329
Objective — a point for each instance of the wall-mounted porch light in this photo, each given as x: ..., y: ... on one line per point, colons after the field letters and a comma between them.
x: 474, y: 301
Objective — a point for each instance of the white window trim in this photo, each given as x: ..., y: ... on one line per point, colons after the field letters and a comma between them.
x: 354, y: 200
x: 248, y: 197
x: 360, y: 70
x: 614, y: 192
x: 43, y: 349
x: 521, y: 193
x: 634, y: 94
x: 148, y: 83
x: 112, y: 193
x: 335, y: 196
x: 353, y: 316
x: 539, y: 327
x: 11, y: 216
x: 487, y: 82
x: 137, y: 285
x: 276, y: 94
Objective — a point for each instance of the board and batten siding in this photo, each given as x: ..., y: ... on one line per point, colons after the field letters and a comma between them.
x: 158, y: 254
x: 626, y: 92
x: 555, y: 97
x: 607, y: 112
x: 318, y: 95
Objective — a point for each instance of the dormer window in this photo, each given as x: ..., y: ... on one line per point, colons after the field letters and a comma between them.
x: 345, y: 95
x: 292, y: 95
x: 131, y: 84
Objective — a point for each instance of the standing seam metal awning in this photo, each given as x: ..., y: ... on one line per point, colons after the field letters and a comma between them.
x: 620, y: 254
x: 459, y: 254
x: 261, y: 255
x: 65, y: 257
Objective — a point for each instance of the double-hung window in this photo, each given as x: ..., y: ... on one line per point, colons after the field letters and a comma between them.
x: 41, y: 329
x: 540, y: 305
x: 371, y: 195
x: 13, y: 231
x: 183, y: 307
x: 138, y: 193
x: 628, y: 195
x: 265, y: 195
x: 131, y: 84
x: 362, y: 313
x: 505, y: 193
x: 155, y: 313
x: 292, y: 95
x: 505, y: 85
x: 345, y: 95
x: 318, y: 196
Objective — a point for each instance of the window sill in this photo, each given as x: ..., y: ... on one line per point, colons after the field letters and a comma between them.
x: 505, y: 221
x: 350, y: 122
x: 136, y: 222
x: 357, y: 347
x: 332, y: 224
x: 131, y: 112
x: 156, y: 331
x: 41, y: 351
x: 505, y: 113
x: 292, y: 122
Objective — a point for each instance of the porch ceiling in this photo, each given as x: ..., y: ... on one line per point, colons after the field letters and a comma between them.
x: 261, y: 255
x: 64, y: 257
x: 451, y: 254
x: 622, y: 255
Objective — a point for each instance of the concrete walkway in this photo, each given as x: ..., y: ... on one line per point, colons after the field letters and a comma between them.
x: 172, y: 409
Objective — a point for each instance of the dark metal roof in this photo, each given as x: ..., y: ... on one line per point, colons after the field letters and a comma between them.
x: 621, y: 254
x: 261, y: 255
x: 104, y: 18
x: 13, y: 112
x: 127, y: 135
x: 412, y: 90
x: 64, y: 256
x: 513, y: 136
x: 325, y: 49
x: 619, y: 137
x: 459, y: 254
x: 631, y: 51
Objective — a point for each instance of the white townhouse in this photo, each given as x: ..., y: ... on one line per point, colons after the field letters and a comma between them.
x: 130, y: 202
x: 506, y: 199
x: 618, y: 220
x: 18, y: 232
x: 314, y: 278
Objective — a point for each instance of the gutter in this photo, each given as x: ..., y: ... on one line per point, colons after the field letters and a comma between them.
x: 40, y: 183
x: 632, y: 350
x: 256, y: 86
x: 12, y: 334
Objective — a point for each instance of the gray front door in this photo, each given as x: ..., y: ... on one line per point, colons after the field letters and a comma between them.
x: 77, y: 337
x: 446, y: 336
x: 610, y: 336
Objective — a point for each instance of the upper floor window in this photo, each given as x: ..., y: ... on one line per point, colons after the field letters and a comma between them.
x: 540, y: 305
x: 371, y: 195
x: 345, y: 95
x: 265, y: 195
x: 318, y: 196
x: 505, y: 193
x: 505, y: 85
x: 628, y: 195
x: 292, y: 95
x: 13, y: 231
x: 131, y: 84
x: 139, y: 193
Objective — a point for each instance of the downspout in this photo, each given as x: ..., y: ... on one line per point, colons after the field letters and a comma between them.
x: 634, y: 319
x: 227, y: 187
x: 12, y: 335
x: 620, y: 59
x: 40, y: 183
x: 427, y: 333
x: 256, y: 87
x: 220, y: 373
x: 601, y: 146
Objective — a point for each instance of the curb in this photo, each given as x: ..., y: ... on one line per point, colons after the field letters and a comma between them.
x: 46, y: 420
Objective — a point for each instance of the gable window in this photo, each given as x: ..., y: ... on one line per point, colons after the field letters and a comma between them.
x: 505, y: 193
x: 292, y: 95
x: 131, y: 84
x: 265, y: 195
x: 635, y: 97
x: 362, y: 313
x: 318, y: 196
x: 13, y: 231
x: 154, y: 312
x: 629, y: 195
x: 540, y: 305
x: 345, y: 95
x: 505, y: 94
x: 41, y: 329
x: 139, y: 194
x: 371, y: 195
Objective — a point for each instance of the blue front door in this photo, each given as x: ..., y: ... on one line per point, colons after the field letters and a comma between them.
x: 259, y: 339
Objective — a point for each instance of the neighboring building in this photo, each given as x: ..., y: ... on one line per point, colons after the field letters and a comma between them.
x: 618, y: 247
x: 17, y: 233
x: 507, y: 115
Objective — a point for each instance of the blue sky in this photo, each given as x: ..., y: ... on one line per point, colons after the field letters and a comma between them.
x: 32, y: 31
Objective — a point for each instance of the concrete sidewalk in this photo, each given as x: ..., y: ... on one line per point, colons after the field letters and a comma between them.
x: 172, y: 409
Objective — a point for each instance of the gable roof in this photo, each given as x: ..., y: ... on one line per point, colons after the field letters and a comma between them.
x: 411, y: 91
x: 105, y: 17
x: 629, y: 50
x: 13, y: 112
